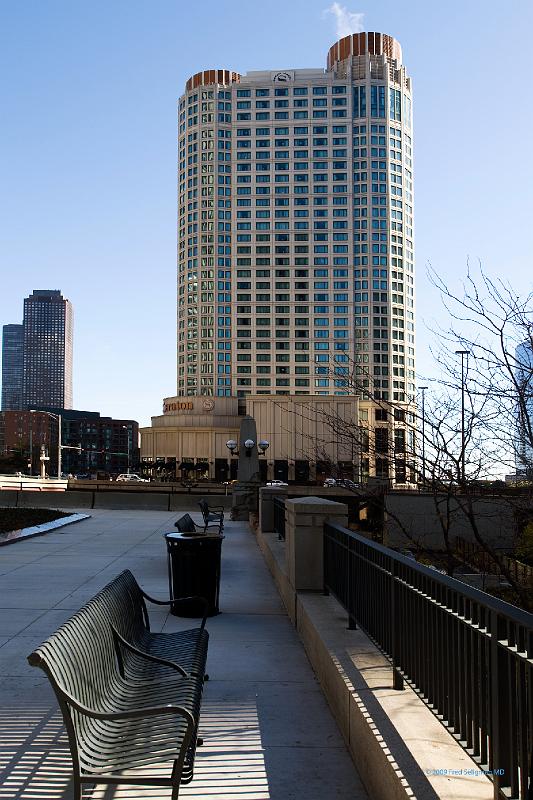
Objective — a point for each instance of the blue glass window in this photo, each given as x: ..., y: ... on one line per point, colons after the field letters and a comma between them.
x: 359, y: 101
x: 395, y: 104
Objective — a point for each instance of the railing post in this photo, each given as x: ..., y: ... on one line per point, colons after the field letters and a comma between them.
x: 352, y: 624
x: 325, y: 561
x: 397, y: 679
x: 499, y: 709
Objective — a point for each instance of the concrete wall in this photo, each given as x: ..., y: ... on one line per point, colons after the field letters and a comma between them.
x: 418, y: 515
x: 60, y: 500
x: 147, y: 501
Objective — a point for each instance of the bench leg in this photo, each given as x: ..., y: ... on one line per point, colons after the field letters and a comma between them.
x: 175, y: 782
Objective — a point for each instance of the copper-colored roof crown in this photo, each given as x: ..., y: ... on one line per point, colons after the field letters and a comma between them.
x: 223, y: 77
x: 357, y: 44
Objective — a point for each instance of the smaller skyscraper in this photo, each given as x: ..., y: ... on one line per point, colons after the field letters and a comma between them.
x: 524, y: 410
x: 12, y: 366
x: 48, y: 324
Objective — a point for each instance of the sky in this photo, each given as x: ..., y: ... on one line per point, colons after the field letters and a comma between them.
x: 88, y: 156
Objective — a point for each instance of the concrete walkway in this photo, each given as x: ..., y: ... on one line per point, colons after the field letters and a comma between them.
x: 267, y: 729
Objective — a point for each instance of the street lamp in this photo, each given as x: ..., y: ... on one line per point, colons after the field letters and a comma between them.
x: 58, y: 417
x: 423, y: 390
x: 463, y: 353
x: 125, y: 428
x: 249, y: 444
x: 231, y: 444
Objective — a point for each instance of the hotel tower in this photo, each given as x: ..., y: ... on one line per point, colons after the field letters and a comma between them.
x: 295, y: 240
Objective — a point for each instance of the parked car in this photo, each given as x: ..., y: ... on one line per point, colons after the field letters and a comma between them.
x: 348, y: 484
x: 130, y: 477
x: 276, y: 483
x: 330, y: 482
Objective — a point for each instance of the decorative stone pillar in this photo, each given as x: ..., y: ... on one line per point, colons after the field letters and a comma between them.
x: 266, y: 505
x: 246, y: 490
x: 304, y: 539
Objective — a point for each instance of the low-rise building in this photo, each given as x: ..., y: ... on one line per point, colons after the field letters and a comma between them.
x: 90, y: 444
x: 310, y: 437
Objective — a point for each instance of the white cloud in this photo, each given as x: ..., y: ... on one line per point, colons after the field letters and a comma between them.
x: 347, y: 22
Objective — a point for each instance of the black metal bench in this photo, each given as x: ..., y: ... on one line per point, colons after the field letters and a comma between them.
x: 125, y: 708
x: 186, y: 524
x: 211, y: 514
x: 131, y: 625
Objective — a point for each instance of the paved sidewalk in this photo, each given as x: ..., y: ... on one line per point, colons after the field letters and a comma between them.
x: 267, y: 729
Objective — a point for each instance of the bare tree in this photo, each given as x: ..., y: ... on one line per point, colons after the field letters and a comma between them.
x: 478, y: 420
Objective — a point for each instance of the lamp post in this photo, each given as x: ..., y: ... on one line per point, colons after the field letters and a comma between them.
x: 59, y: 445
x: 125, y: 428
x: 423, y: 390
x: 249, y: 445
x: 462, y: 353
x: 246, y: 489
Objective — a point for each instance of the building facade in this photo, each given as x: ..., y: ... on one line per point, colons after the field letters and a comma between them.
x: 295, y: 239
x: 12, y: 366
x: 295, y: 234
x: 48, y: 332
x: 91, y: 444
x: 191, y: 435
x: 310, y: 438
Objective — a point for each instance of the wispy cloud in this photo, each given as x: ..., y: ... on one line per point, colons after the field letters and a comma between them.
x: 346, y: 22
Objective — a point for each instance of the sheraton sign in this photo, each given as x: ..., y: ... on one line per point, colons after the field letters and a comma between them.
x: 207, y: 404
x: 179, y: 405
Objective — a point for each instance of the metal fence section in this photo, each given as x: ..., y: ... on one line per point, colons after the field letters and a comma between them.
x: 279, y: 517
x: 468, y: 655
x: 473, y: 553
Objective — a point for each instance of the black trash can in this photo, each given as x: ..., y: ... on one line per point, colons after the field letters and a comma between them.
x: 193, y: 570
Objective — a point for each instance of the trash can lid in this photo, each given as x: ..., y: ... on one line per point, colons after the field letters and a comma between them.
x: 192, y: 535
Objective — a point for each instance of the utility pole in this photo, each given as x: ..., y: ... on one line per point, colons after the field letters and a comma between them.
x: 423, y: 390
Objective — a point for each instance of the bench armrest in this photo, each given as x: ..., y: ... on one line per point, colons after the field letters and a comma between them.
x: 120, y: 641
x: 169, y: 602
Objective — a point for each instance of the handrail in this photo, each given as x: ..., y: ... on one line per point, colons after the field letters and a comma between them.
x: 467, y: 654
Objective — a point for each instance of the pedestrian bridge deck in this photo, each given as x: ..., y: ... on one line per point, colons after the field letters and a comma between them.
x: 268, y: 732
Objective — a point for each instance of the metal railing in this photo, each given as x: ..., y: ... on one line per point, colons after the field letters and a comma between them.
x: 468, y: 655
x: 279, y: 517
x: 473, y: 553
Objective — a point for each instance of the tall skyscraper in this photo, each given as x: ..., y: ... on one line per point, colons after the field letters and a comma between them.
x: 12, y: 366
x: 47, y: 350
x: 295, y: 234
x: 296, y: 267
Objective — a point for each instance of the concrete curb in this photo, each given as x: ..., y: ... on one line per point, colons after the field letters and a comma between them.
x: 39, y: 530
